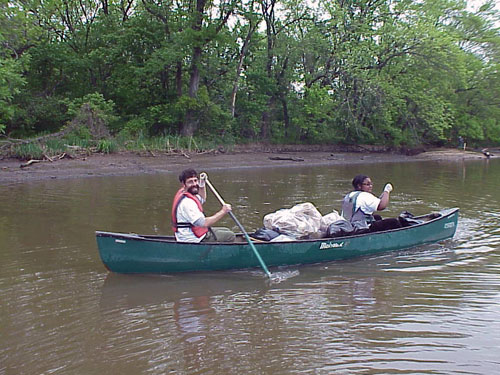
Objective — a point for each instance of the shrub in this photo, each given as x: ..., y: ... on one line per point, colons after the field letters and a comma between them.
x: 107, y: 146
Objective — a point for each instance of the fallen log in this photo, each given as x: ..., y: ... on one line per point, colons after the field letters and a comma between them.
x: 48, y: 158
x: 28, y: 163
x: 285, y: 158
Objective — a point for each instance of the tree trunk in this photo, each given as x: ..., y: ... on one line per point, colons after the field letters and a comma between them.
x: 265, y: 126
x: 191, y: 121
x: 265, y: 122
x: 286, y: 117
x: 194, y: 79
x: 178, y: 79
x: 190, y: 124
x: 268, y: 14
x: 243, y: 52
x: 238, y: 72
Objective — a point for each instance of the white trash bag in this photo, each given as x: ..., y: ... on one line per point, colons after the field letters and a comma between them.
x: 282, y: 238
x: 301, y: 220
x: 328, y: 219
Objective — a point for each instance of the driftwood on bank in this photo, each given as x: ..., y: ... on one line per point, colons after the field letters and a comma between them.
x: 46, y: 158
x: 29, y: 162
x: 285, y: 158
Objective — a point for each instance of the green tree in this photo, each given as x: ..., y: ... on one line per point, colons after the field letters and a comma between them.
x: 16, y: 34
x: 395, y: 72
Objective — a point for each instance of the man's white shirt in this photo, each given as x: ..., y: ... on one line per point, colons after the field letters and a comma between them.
x: 188, y: 212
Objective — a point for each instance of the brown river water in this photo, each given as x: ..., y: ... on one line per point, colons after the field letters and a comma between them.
x: 430, y: 310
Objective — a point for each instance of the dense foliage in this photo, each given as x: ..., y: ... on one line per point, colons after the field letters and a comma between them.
x: 392, y: 72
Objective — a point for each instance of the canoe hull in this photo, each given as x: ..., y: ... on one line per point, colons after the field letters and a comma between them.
x: 129, y: 253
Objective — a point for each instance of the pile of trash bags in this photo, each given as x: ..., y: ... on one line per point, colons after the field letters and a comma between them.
x: 301, y: 221
x: 304, y: 221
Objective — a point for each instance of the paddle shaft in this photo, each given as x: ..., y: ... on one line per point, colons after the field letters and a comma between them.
x: 261, y: 261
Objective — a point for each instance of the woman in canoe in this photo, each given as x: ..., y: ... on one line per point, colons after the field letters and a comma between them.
x: 360, y: 205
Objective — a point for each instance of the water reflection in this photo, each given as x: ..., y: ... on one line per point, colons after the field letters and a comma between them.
x: 192, y: 316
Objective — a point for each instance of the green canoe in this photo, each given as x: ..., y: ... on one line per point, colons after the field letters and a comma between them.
x: 132, y: 253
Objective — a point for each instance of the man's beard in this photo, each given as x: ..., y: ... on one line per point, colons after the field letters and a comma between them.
x: 193, y: 190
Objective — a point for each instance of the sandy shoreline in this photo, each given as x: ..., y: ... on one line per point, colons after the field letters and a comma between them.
x: 127, y: 164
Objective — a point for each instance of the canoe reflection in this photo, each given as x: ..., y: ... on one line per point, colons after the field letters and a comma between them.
x: 192, y: 316
x: 128, y: 291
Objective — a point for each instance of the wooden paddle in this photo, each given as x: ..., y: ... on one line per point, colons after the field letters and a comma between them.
x: 263, y: 265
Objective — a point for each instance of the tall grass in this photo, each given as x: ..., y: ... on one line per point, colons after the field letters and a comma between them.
x: 171, y: 143
x: 27, y: 151
x: 55, y: 146
x: 140, y: 143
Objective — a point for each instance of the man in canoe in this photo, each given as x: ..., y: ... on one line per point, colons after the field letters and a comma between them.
x: 360, y: 205
x: 188, y: 220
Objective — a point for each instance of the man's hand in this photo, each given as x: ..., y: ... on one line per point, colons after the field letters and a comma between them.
x: 388, y: 188
x: 226, y: 208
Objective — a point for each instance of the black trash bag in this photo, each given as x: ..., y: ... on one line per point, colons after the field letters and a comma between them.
x: 406, y: 214
x: 264, y: 234
x: 360, y: 227
x: 407, y: 219
x: 339, y: 228
x: 385, y: 224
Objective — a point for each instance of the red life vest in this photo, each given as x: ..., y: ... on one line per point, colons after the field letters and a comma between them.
x: 180, y: 195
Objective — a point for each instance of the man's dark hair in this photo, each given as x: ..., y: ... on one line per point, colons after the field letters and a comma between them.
x: 358, y: 180
x: 187, y: 173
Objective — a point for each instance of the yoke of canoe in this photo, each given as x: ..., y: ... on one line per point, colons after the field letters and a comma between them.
x: 134, y: 253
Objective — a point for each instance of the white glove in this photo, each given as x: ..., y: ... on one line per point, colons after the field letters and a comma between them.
x: 388, y: 188
x: 203, y: 179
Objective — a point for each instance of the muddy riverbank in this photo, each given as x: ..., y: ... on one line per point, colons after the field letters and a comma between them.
x: 128, y: 163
